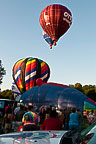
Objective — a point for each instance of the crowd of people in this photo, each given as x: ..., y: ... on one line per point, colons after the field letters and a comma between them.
x: 20, y: 117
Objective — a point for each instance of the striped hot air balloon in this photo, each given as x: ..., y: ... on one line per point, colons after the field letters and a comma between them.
x: 26, y: 71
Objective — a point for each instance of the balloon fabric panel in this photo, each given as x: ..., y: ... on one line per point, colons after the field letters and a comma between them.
x: 17, y: 74
x: 30, y: 73
x: 44, y: 71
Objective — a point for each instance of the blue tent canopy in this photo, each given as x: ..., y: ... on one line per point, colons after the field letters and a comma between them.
x: 58, y: 95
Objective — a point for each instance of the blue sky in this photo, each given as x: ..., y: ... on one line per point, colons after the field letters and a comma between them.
x: 72, y: 60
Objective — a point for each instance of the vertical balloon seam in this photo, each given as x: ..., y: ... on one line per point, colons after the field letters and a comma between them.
x: 59, y: 30
x: 54, y: 22
x: 28, y: 72
x: 44, y: 71
x: 58, y: 20
x: 31, y: 67
x: 50, y: 16
x: 38, y: 72
x: 23, y: 74
x: 30, y: 75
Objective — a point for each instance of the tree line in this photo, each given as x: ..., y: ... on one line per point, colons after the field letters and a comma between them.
x: 89, y: 90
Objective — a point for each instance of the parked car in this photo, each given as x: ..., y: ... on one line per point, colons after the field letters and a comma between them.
x: 87, y: 136
x: 39, y: 137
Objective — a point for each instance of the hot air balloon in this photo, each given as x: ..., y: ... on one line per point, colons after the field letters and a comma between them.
x: 58, y: 95
x: 47, y: 39
x: 27, y: 71
x: 15, y: 91
x: 55, y: 20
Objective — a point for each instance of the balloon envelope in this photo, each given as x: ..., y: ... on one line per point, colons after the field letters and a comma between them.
x: 58, y: 95
x: 27, y: 71
x: 55, y: 20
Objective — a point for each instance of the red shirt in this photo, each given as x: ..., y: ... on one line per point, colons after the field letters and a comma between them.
x: 51, y: 124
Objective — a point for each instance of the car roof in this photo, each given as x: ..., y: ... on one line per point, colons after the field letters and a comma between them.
x: 32, y: 137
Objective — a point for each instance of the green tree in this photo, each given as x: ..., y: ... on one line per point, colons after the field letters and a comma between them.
x: 86, y: 89
x: 6, y: 94
x: 78, y: 86
x: 92, y: 94
x: 2, y: 72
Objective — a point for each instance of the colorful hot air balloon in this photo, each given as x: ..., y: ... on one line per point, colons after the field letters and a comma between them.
x: 15, y: 91
x: 55, y: 20
x: 47, y: 39
x: 27, y: 71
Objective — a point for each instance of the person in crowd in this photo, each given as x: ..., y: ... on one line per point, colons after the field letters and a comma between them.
x: 80, y: 117
x: 20, y: 113
x: 84, y: 122
x: 61, y: 116
x: 30, y: 120
x: 47, y: 112
x: 52, y: 123
x: 17, y: 108
x: 74, y: 123
x: 7, y: 107
x: 18, y: 117
x: 7, y: 120
x: 42, y: 113
x: 90, y: 117
x: 67, y: 112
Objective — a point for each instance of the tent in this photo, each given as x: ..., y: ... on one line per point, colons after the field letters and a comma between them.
x: 58, y: 95
x: 89, y: 104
